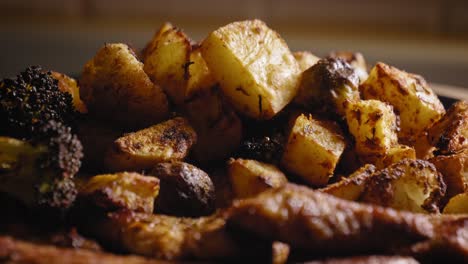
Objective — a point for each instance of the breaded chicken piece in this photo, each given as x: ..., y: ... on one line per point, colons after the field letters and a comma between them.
x: 322, y: 225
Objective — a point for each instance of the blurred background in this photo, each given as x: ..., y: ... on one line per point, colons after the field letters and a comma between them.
x: 428, y: 37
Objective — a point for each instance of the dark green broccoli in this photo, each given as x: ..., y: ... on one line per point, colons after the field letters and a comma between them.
x: 30, y: 100
x: 40, y: 171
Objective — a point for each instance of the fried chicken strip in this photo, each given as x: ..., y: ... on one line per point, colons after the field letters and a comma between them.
x: 173, y: 238
x: 322, y: 225
x: 13, y: 251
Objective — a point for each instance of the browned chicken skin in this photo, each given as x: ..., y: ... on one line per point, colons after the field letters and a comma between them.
x: 322, y: 225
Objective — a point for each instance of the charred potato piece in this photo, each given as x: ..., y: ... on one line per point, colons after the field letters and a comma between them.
x: 114, y: 86
x: 185, y: 189
x: 328, y: 86
x: 218, y: 127
x: 251, y: 177
x: 373, y: 125
x: 415, y: 102
x: 305, y: 59
x: 450, y: 134
x: 199, y: 75
x: 125, y: 190
x: 411, y: 185
x: 454, y: 168
x: 254, y: 67
x: 313, y: 150
x: 356, y: 60
x: 69, y: 85
x: 167, y: 63
x: 457, y: 204
x: 170, y: 140
x: 351, y: 187
x: 393, y: 155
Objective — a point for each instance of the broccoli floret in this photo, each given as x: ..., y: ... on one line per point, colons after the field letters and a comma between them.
x: 30, y: 100
x: 40, y: 171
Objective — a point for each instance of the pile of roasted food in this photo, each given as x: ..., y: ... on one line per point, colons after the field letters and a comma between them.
x: 233, y: 149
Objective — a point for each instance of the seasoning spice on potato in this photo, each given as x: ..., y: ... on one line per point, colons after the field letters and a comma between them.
x: 170, y: 140
x: 185, y: 189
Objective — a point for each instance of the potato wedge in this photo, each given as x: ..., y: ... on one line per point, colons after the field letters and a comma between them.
x: 457, y: 204
x: 167, y: 63
x: 254, y: 67
x: 126, y: 190
x: 373, y: 125
x: 114, y: 87
x: 450, y: 134
x: 251, y: 177
x: 313, y: 150
x: 305, y: 59
x: 351, y: 187
x: 454, y: 168
x: 411, y: 185
x: 185, y: 190
x: 170, y: 140
x: 69, y: 85
x: 415, y: 102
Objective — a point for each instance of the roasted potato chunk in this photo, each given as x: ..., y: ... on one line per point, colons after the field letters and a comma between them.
x: 415, y: 102
x: 185, y: 189
x: 450, y: 134
x: 328, y: 86
x: 393, y: 155
x: 199, y: 76
x: 218, y: 127
x: 153, y: 43
x: 454, y: 168
x: 114, y: 86
x: 254, y: 67
x: 351, y: 187
x: 457, y: 204
x: 356, y: 60
x: 170, y: 140
x: 373, y: 125
x: 305, y: 59
x: 313, y: 150
x: 411, y: 185
x: 251, y: 177
x: 69, y: 85
x: 125, y: 190
x: 167, y: 63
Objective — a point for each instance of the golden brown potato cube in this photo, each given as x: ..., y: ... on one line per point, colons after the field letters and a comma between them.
x: 185, y: 189
x: 454, y: 168
x: 415, y: 102
x: 305, y: 59
x: 313, y: 150
x: 411, y: 185
x: 373, y: 125
x: 450, y: 134
x: 251, y: 177
x: 114, y: 86
x: 126, y: 190
x: 351, y: 187
x: 219, y: 129
x: 356, y: 60
x: 393, y: 155
x: 153, y: 43
x: 69, y: 85
x: 254, y: 67
x: 170, y: 140
x: 167, y: 63
x: 457, y: 204
x: 200, y: 78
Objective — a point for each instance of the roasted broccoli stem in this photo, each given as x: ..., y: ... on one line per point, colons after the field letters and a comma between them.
x: 30, y: 100
x: 328, y: 86
x: 40, y: 172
